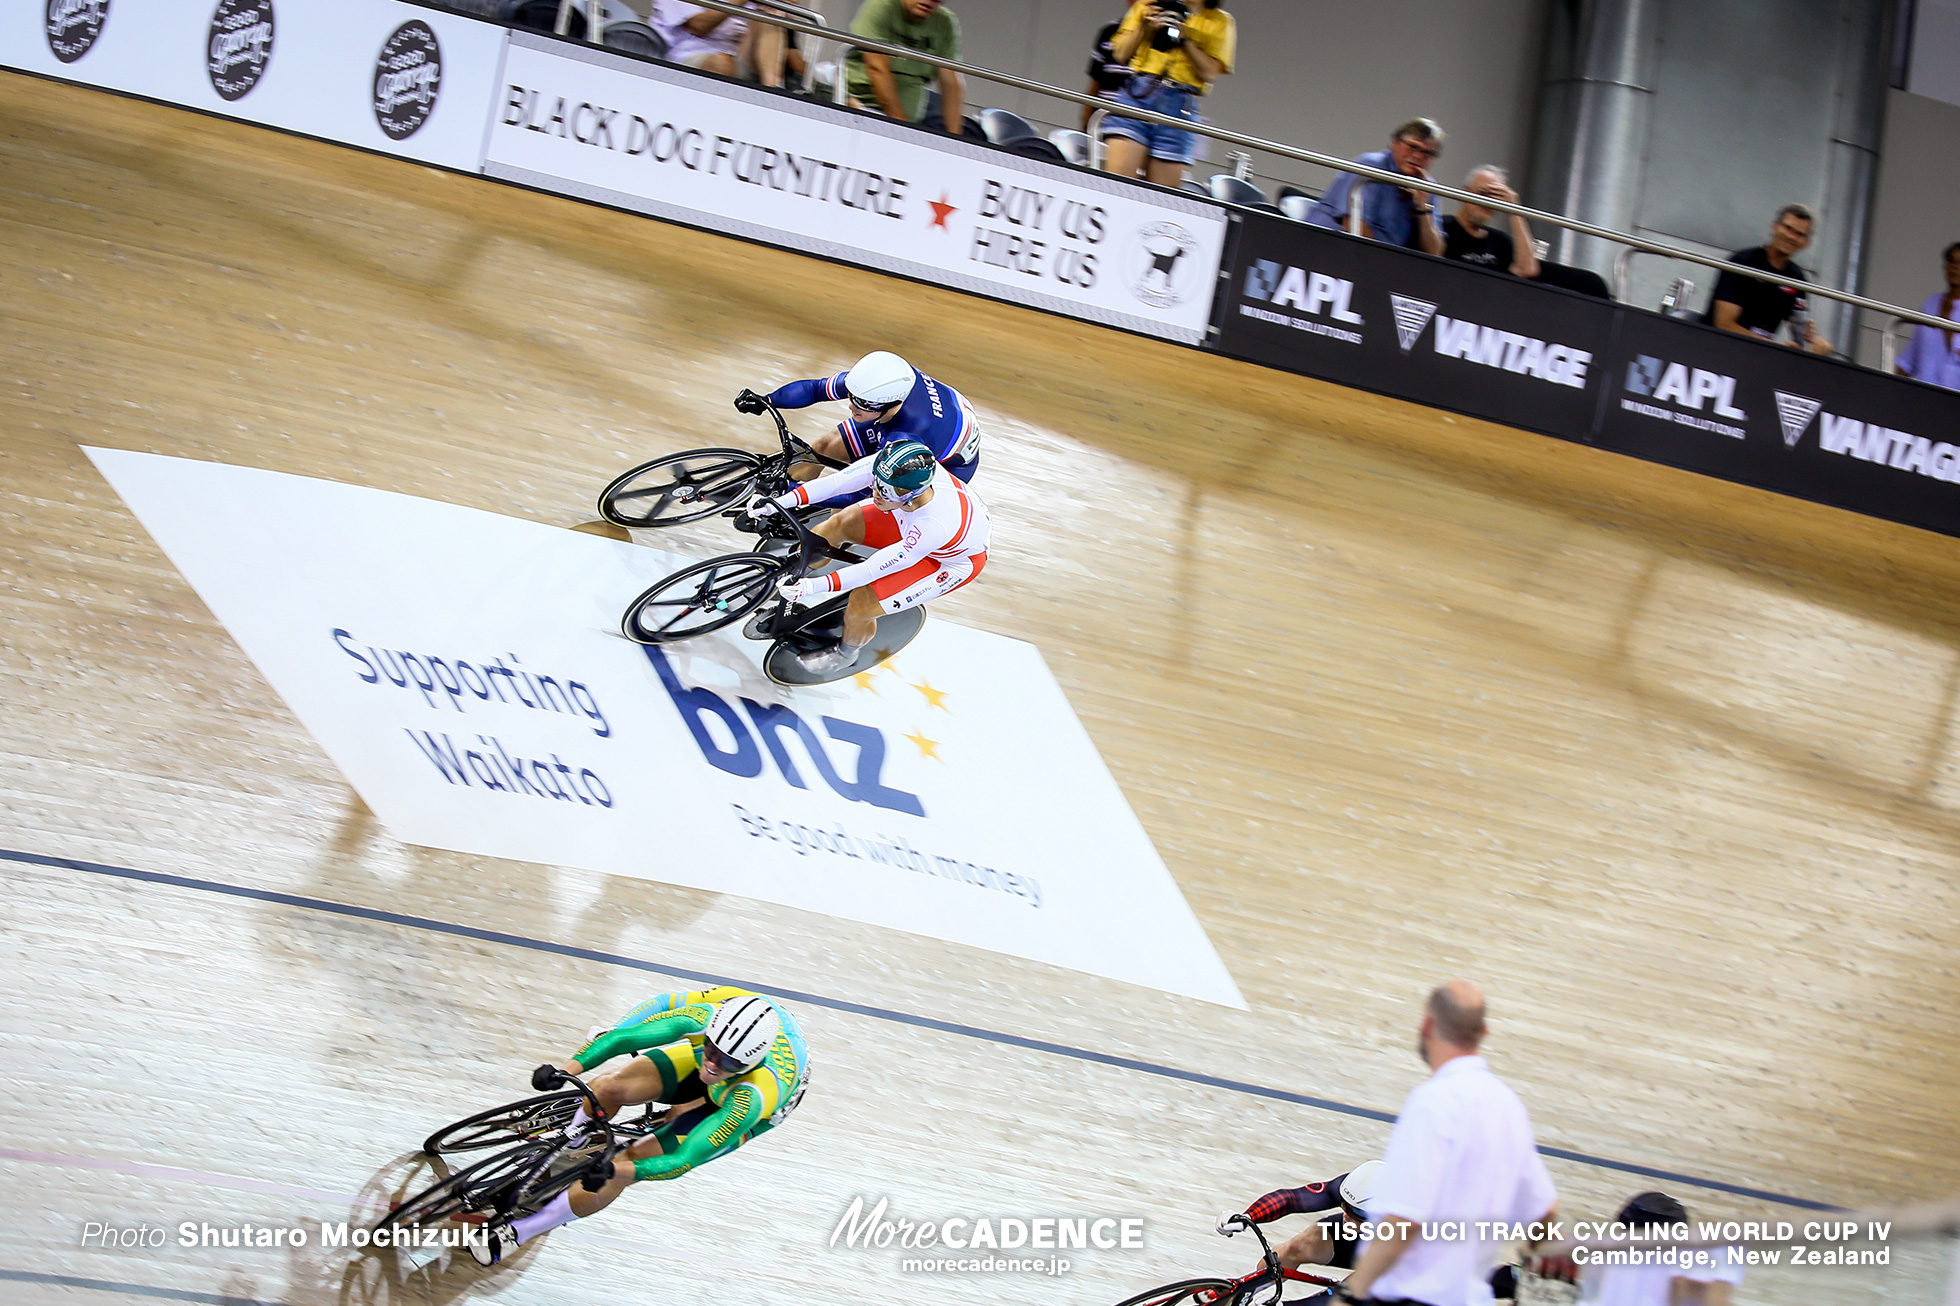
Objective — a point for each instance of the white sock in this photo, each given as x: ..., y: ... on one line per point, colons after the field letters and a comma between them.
x: 557, y: 1213
x: 579, y: 1120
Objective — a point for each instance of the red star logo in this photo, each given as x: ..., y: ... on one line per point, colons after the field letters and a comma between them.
x: 941, y: 211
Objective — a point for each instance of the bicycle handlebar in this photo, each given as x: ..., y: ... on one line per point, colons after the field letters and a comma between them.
x: 1279, y: 1274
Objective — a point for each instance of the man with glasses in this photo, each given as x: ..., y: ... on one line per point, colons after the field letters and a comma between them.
x: 1394, y: 215
x: 730, y: 1064
x: 890, y: 401
x: 928, y: 530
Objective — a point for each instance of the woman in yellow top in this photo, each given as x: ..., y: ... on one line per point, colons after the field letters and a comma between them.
x: 1174, y: 57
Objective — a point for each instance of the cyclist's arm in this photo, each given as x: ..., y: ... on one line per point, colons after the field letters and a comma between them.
x: 1296, y: 1201
x: 720, y: 1133
x: 655, y: 1032
x: 801, y: 394
x: 855, y: 479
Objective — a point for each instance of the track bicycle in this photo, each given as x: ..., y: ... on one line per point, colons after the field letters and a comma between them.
x: 1260, y: 1288
x: 537, y: 1157
x: 678, y: 488
x: 715, y: 594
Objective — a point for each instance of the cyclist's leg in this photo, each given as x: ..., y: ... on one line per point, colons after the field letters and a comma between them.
x: 576, y: 1203
x: 829, y: 445
x: 638, y: 1081
x: 847, y: 525
x: 924, y: 581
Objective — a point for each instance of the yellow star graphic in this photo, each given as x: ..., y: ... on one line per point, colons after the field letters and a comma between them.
x: 927, y: 747
x: 934, y: 697
x: 863, y: 679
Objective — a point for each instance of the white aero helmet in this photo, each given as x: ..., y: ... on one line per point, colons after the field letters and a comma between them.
x: 879, y: 379
x: 1358, y: 1186
x: 741, y: 1033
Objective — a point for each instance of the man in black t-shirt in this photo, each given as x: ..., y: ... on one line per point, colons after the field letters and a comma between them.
x: 1751, y: 307
x: 1469, y: 237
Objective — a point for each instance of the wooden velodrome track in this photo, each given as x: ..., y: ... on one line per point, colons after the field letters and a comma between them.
x: 1668, y: 765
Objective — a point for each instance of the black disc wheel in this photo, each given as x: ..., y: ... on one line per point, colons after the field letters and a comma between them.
x: 682, y: 487
x: 783, y: 663
x: 473, y: 1188
x: 1191, y: 1292
x: 702, y: 598
x: 534, y: 1117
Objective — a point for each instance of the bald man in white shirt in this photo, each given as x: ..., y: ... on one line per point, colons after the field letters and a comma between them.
x: 1461, y: 1150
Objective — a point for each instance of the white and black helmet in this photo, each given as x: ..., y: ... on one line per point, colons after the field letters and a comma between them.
x: 879, y: 380
x: 741, y: 1033
x: 1358, y: 1187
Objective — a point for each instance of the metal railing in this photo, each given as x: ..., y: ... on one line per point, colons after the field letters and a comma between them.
x: 1314, y: 157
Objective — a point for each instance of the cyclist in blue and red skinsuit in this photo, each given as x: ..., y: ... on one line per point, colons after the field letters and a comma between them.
x: 890, y: 401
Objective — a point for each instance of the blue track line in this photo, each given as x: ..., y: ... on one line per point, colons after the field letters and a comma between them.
x: 132, y: 1289
x: 855, y: 1008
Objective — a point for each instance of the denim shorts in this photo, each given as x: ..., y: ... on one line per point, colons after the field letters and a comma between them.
x: 1170, y: 144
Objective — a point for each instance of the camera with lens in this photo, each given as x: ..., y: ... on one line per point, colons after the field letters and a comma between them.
x: 1171, y: 37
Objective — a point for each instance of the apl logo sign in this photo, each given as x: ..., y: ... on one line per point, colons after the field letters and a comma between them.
x: 1314, y: 294
x: 1685, y: 389
x: 407, y: 79
x: 74, y: 25
x: 766, y: 727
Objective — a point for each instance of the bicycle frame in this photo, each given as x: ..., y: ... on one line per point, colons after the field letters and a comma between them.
x: 795, y: 448
x: 1274, y: 1273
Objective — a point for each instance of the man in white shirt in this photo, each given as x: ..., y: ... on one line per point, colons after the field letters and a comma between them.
x: 1461, y: 1150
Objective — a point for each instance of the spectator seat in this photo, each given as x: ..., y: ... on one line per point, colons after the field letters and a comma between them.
x: 634, y: 38
x: 1567, y: 277
x: 542, y: 16
x: 1235, y: 190
x: 1034, y: 147
x: 823, y: 79
x: 1074, y: 145
x: 1195, y: 187
x: 1005, y: 128
x: 1288, y: 192
x: 1296, y: 206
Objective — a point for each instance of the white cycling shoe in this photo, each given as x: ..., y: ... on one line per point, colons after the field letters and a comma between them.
x: 498, y: 1241
x: 834, y: 658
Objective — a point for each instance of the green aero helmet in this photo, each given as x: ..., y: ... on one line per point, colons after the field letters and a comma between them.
x: 903, y: 469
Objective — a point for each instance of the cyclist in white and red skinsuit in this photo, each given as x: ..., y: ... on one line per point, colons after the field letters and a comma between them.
x: 930, y: 532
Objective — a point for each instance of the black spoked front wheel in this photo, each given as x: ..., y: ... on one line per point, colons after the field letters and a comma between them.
x: 702, y: 598
x: 1190, y: 1292
x: 682, y: 487
x: 531, y: 1118
x: 473, y: 1188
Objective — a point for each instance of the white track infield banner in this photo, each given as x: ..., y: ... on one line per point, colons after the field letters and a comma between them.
x: 373, y: 73
x: 854, y: 187
x: 464, y: 670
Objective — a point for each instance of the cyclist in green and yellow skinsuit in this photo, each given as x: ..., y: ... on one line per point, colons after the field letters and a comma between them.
x: 730, y: 1063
